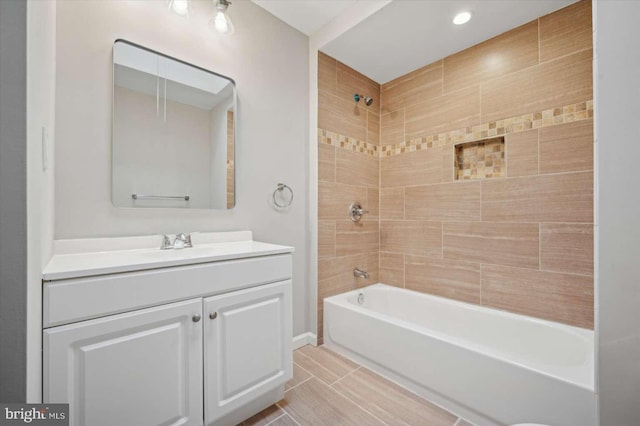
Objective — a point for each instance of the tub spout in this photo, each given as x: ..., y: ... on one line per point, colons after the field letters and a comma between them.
x: 359, y: 273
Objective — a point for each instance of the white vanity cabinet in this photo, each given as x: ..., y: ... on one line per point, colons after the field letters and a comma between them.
x: 245, y: 332
x: 201, y: 343
x: 137, y: 368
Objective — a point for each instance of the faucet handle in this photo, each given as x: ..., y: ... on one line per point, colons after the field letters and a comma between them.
x: 166, y: 242
x: 182, y: 241
x: 187, y: 240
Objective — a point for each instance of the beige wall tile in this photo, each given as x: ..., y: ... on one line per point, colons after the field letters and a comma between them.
x: 567, y: 248
x: 342, y: 269
x: 522, y: 153
x: 548, y: 295
x: 448, y: 160
x: 327, y: 73
x: 447, y: 278
x: 564, y: 197
x: 392, y: 127
x: 373, y: 128
x: 511, y: 51
x: 373, y: 268
x: 389, y: 402
x: 342, y: 116
x: 392, y: 203
x: 351, y: 82
x: 356, y: 168
x: 566, y: 31
x: 514, y: 244
x: 563, y: 81
x: 567, y: 147
x: 392, y: 269
x: 417, y: 86
x: 314, y: 403
x: 417, y: 237
x: 448, y: 112
x: 445, y: 202
x: 334, y: 199
x: 354, y: 238
x: 414, y: 168
x: 326, y: 162
x: 373, y: 203
x: 326, y: 239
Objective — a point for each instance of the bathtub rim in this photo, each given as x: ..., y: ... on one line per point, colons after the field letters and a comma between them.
x: 341, y: 300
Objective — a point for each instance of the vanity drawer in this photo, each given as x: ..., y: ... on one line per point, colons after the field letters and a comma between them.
x: 72, y: 300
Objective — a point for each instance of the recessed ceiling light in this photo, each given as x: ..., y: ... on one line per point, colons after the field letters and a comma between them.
x: 462, y: 18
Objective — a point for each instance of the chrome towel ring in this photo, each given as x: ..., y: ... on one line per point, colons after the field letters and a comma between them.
x: 281, y: 188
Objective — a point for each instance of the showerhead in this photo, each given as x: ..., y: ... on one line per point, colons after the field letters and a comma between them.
x: 367, y: 100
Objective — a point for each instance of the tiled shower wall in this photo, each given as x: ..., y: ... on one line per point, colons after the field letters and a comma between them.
x: 348, y: 171
x: 523, y: 242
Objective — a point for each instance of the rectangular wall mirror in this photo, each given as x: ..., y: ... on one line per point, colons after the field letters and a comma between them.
x: 173, y: 132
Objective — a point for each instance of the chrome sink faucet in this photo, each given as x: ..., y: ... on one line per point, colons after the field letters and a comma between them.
x: 180, y: 241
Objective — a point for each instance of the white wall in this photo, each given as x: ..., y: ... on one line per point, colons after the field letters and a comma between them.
x: 41, y: 27
x: 269, y: 62
x: 157, y: 157
x: 617, y: 107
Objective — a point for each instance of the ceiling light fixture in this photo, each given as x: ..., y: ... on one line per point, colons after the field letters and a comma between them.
x: 462, y: 18
x: 221, y: 21
x: 180, y: 7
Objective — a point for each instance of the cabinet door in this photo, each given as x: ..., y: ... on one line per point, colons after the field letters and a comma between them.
x: 247, y: 346
x: 138, y: 368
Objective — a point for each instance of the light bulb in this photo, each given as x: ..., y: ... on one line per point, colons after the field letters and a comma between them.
x: 221, y: 21
x: 180, y: 7
x: 462, y: 18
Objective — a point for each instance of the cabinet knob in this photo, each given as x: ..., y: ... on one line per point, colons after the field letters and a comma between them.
x: 213, y: 315
x: 196, y: 318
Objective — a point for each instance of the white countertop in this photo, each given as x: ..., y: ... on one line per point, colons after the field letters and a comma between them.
x: 100, y: 256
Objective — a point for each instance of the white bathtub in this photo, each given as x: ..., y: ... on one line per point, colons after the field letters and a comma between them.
x: 488, y: 366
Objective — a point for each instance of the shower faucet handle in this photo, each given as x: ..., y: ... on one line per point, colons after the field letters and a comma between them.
x: 356, y: 211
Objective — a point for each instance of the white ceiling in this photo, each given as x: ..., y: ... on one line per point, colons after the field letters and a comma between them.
x: 307, y: 16
x: 408, y: 34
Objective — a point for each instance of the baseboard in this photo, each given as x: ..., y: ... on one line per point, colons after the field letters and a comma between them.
x: 303, y: 339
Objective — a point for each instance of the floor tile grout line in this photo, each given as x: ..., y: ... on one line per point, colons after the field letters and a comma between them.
x: 358, y: 405
x: 325, y: 368
x: 321, y: 366
x: 411, y: 392
x: 304, y: 369
x: 292, y: 418
x: 284, y: 413
x: 304, y: 381
x: 345, y: 376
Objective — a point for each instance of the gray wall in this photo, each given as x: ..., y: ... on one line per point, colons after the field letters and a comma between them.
x: 617, y: 108
x: 13, y: 200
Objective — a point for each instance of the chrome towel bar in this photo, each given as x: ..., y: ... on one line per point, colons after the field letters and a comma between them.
x: 160, y: 197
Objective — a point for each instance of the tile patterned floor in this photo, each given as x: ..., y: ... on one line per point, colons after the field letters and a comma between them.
x: 327, y: 389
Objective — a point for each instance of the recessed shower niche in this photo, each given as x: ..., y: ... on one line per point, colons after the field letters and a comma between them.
x: 480, y: 159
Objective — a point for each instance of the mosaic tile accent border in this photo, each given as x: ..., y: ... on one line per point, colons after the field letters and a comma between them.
x: 334, y: 139
x: 546, y: 118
